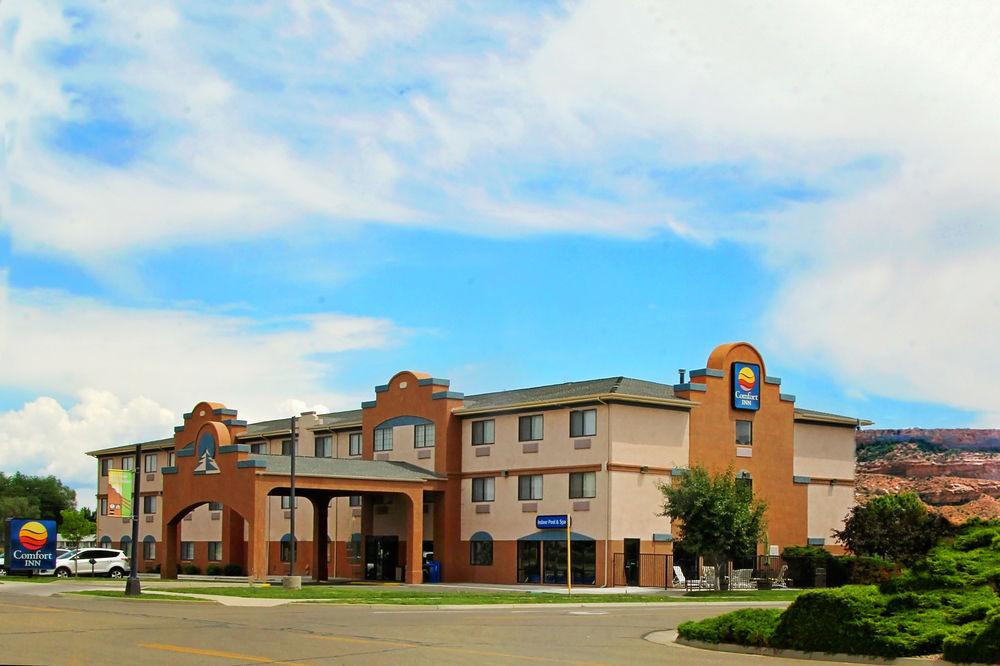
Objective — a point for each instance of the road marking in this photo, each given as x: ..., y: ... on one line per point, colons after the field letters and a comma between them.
x: 588, y: 613
x: 215, y: 653
x: 457, y: 650
x: 36, y: 608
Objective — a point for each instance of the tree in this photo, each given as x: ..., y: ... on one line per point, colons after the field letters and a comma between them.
x: 88, y: 513
x: 720, y: 517
x: 895, y: 527
x: 43, y: 497
x: 75, y: 526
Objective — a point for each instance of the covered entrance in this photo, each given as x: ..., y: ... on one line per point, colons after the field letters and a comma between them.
x: 382, y: 558
x: 541, y: 558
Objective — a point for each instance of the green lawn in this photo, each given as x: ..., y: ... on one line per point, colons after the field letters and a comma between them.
x: 351, y: 594
x: 145, y: 596
x: 26, y: 579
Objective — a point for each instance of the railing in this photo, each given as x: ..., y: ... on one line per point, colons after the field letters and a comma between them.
x: 655, y: 570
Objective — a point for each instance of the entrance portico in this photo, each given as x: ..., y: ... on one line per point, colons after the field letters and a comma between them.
x: 210, y: 466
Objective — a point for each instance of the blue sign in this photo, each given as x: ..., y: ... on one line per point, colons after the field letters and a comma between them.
x: 31, y: 544
x: 746, y: 386
x: 551, y: 522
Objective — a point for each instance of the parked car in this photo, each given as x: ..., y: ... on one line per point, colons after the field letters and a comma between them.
x: 61, y: 554
x: 92, y: 561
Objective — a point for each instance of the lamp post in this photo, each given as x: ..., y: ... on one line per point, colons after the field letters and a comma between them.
x: 291, y: 581
x: 132, y: 586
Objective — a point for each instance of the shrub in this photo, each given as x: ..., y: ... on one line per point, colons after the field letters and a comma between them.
x: 749, y: 626
x: 214, y: 570
x: 897, y: 527
x: 232, y: 569
x: 978, y: 642
x: 153, y: 569
x: 190, y: 569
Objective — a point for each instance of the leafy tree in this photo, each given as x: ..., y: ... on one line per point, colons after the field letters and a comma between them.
x: 721, y: 519
x: 88, y: 513
x: 75, y: 526
x: 44, y: 497
x: 896, y: 527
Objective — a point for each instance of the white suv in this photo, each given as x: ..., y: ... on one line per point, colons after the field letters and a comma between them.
x: 93, y: 562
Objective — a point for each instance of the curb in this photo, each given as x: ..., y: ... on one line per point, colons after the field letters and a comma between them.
x: 670, y: 638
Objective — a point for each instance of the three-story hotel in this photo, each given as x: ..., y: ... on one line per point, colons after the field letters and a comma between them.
x: 423, y: 471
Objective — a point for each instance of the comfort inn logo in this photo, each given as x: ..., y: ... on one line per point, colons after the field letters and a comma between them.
x: 746, y: 386
x: 33, y: 536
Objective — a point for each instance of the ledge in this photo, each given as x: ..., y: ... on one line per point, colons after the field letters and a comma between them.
x: 168, y: 470
x: 801, y: 479
x: 688, y: 386
x: 787, y: 397
x: 368, y: 404
x: 235, y: 448
x: 258, y: 464
x: 381, y: 388
x: 707, y: 372
x: 434, y: 381
x: 768, y: 379
x: 224, y: 412
x: 447, y: 395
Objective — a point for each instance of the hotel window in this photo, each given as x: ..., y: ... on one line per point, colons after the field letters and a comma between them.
x: 187, y: 550
x: 582, y: 485
x: 383, y: 439
x: 354, y: 547
x: 423, y: 436
x: 745, y: 479
x: 149, y: 548
x: 149, y: 504
x: 126, y: 545
x: 744, y: 433
x: 105, y: 466
x: 481, y: 552
x: 214, y: 551
x: 171, y: 459
x: 482, y: 489
x: 286, y: 447
x: 483, y: 432
x: 286, y: 502
x: 354, y: 444
x: 583, y: 423
x: 259, y: 447
x: 354, y: 500
x: 529, y: 487
x: 324, y: 447
x: 215, y: 506
x: 104, y: 506
x: 149, y: 462
x: 128, y: 462
x: 529, y: 428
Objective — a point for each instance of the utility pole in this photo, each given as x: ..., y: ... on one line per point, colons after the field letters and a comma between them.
x: 293, y: 544
x: 132, y: 586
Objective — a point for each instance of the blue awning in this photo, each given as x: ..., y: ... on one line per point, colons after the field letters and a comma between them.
x: 481, y: 536
x: 555, y: 535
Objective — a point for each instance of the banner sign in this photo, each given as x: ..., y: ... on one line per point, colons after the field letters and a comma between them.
x: 31, y: 544
x: 746, y: 386
x: 120, y: 484
x: 551, y: 522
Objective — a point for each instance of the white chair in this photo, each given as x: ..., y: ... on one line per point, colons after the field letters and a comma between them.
x: 780, y: 580
x: 709, y: 580
x: 686, y: 583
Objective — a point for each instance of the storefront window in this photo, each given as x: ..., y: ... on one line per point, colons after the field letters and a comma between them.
x: 527, y: 561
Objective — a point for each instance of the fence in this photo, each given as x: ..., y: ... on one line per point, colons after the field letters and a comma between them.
x: 654, y: 570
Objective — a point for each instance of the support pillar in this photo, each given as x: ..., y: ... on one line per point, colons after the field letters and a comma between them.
x: 258, y: 538
x: 321, y: 536
x: 415, y: 537
x: 233, y: 538
x: 168, y: 570
x: 367, y: 530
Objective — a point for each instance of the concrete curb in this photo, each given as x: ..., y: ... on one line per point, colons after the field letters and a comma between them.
x: 670, y: 638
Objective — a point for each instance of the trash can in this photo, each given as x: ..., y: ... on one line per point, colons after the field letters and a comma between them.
x: 433, y: 571
x: 820, y: 577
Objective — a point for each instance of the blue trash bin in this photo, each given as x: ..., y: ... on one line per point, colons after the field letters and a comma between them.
x: 433, y: 571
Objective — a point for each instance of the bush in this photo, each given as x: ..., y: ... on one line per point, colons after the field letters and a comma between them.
x: 978, y: 642
x: 750, y: 626
x: 232, y: 569
x: 214, y: 570
x: 190, y: 569
x: 153, y: 569
x: 852, y: 570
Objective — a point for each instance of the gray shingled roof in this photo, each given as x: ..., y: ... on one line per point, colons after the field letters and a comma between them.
x: 346, y: 468
x: 282, y: 425
x: 812, y: 413
x: 624, y: 386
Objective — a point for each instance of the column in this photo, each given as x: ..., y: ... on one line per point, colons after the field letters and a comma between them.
x: 257, y: 557
x: 168, y: 570
x: 233, y: 538
x: 415, y: 536
x: 321, y: 536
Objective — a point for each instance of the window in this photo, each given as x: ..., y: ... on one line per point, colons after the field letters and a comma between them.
x: 354, y: 546
x: 744, y: 433
x: 187, y: 550
x: 215, y: 506
x: 105, y: 465
x: 149, y: 504
x: 105, y: 541
x: 149, y: 548
x: 286, y: 447
x: 354, y: 444
x: 383, y: 439
x: 324, y: 447
x: 582, y: 485
x: 104, y: 506
x: 529, y: 487
x: 483, y: 432
x: 286, y: 548
x: 354, y: 500
x: 128, y: 463
x: 746, y: 480
x: 149, y: 462
x: 214, y: 551
x: 482, y: 489
x: 583, y: 423
x: 481, y: 552
x: 126, y: 545
x: 286, y: 502
x: 529, y: 428
x: 259, y: 447
x: 423, y: 436
x: 171, y: 459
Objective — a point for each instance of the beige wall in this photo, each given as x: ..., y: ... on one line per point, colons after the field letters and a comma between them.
x: 825, y: 452
x: 653, y: 437
x: 828, y: 506
x: 635, y: 502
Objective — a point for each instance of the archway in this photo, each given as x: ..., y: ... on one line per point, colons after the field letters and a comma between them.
x: 205, y: 537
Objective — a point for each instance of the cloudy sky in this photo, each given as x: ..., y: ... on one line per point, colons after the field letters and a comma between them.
x: 276, y: 205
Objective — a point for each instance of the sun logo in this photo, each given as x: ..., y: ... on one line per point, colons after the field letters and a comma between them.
x: 746, y: 379
x: 33, y: 536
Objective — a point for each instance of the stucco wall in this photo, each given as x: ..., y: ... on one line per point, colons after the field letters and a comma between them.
x: 647, y: 436
x: 635, y: 503
x: 824, y: 451
x: 828, y: 506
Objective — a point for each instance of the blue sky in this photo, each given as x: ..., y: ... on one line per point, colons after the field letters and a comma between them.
x: 278, y: 205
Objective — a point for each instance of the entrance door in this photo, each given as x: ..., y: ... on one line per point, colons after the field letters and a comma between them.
x: 631, y: 561
x: 528, y: 561
x: 381, y: 557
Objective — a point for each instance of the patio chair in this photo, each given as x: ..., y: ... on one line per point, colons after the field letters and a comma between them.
x: 780, y: 580
x: 710, y: 579
x: 740, y: 580
x: 686, y: 583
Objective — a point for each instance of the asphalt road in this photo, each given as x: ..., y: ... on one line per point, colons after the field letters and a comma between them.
x: 39, y: 629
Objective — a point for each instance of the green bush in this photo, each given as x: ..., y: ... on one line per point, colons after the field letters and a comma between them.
x: 853, y: 570
x: 153, y: 569
x: 977, y: 642
x: 750, y: 626
x: 214, y: 570
x: 232, y: 569
x: 190, y: 569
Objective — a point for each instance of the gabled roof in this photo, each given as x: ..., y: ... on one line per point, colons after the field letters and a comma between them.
x: 608, y: 387
x: 346, y: 468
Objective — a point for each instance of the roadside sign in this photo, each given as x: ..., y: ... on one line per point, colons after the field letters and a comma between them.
x: 558, y: 522
x: 31, y: 544
x: 120, y: 492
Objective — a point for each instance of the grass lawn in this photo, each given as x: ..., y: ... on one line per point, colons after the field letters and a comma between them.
x: 351, y: 594
x: 145, y: 596
x: 26, y: 579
